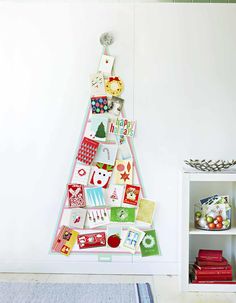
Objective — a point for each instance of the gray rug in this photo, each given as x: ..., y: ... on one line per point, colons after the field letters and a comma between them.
x: 75, y: 293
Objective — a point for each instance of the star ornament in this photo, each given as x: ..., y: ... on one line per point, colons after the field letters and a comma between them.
x: 124, y: 176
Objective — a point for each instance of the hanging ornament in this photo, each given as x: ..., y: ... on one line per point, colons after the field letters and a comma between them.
x: 106, y: 39
x: 114, y: 86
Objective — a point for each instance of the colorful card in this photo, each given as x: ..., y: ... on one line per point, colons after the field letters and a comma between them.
x: 123, y: 172
x: 124, y: 151
x: 106, y: 153
x: 132, y: 239
x: 76, y: 196
x: 92, y: 240
x: 146, y: 211
x: 122, y: 214
x: 97, y: 217
x: 77, y: 218
x: 87, y: 151
x: 122, y: 127
x: 98, y: 127
x: 114, y: 86
x: 97, y: 85
x: 106, y: 64
x: 94, y: 196
x: 101, y: 174
x: 65, y: 240
x: 81, y: 173
x: 99, y: 105
x: 132, y: 193
x: 115, y: 195
x: 114, y: 235
x: 149, y: 245
x: 115, y: 106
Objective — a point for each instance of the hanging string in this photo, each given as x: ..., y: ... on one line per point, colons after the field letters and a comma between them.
x: 133, y: 61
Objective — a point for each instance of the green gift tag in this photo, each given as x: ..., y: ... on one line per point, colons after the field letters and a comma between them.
x: 122, y: 214
x: 149, y: 245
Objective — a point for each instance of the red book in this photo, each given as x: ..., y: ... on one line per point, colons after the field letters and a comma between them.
x: 224, y: 262
x: 213, y: 282
x: 212, y: 267
x: 210, y: 255
x: 213, y: 272
x: 214, y: 278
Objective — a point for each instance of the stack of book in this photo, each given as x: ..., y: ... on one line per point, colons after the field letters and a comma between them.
x: 211, y: 267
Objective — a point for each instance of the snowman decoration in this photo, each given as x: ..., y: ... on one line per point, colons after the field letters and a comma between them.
x: 101, y: 175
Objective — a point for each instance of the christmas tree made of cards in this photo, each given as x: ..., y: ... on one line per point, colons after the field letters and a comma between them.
x: 105, y: 209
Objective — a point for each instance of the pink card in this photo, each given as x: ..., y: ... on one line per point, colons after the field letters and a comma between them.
x: 76, y: 196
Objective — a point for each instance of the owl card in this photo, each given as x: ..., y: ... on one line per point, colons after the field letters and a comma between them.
x: 65, y: 240
x: 106, y: 64
x: 146, y: 211
x: 81, y: 173
x: 97, y: 85
x: 115, y: 195
x: 77, y: 218
x: 99, y: 105
x: 101, y: 174
x: 106, y: 153
x: 132, y: 239
x: 76, y: 196
x: 131, y: 194
x: 98, y: 127
x: 87, y: 151
x: 123, y: 172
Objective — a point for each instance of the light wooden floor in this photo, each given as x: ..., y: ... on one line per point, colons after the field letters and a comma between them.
x: 165, y: 288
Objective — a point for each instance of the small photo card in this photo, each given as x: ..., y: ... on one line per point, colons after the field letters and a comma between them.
x: 77, y: 218
x: 122, y: 215
x: 122, y: 127
x: 149, y: 245
x: 92, y: 240
x: 76, y: 196
x: 106, y: 64
x: 87, y: 150
x: 146, y: 211
x: 132, y: 239
x: 81, y: 174
x: 65, y: 240
x: 114, y: 195
x: 132, y: 193
x: 101, y: 174
x: 94, y: 196
x: 99, y: 105
x: 115, y: 106
x: 97, y: 217
x: 123, y: 172
x: 97, y: 85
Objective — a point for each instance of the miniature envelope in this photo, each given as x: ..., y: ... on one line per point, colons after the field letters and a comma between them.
x: 131, y: 194
x: 97, y: 217
x: 106, y: 64
x: 98, y: 127
x: 149, y: 245
x: 87, y: 151
x: 122, y: 215
x: 132, y: 239
x: 97, y: 85
x: 65, y: 240
x: 77, y: 218
x: 76, y: 196
x: 106, y: 153
x: 81, y: 173
x: 99, y: 105
x: 101, y: 174
x: 92, y: 240
x: 123, y: 172
x: 115, y: 195
x: 94, y: 196
x: 146, y: 211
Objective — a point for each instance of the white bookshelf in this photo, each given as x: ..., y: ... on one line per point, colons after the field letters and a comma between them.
x: 196, y: 186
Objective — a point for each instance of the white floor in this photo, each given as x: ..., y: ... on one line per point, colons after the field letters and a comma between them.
x: 165, y: 288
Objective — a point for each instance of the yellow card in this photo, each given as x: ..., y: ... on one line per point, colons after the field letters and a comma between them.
x: 146, y: 211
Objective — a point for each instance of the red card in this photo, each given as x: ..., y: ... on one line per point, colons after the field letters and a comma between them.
x: 87, y: 151
x: 131, y: 194
x: 92, y: 240
x: 76, y: 196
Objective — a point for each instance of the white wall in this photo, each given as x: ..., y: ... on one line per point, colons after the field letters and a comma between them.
x: 184, y: 105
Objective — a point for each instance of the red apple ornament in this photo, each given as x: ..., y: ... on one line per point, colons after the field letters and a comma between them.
x: 113, y: 241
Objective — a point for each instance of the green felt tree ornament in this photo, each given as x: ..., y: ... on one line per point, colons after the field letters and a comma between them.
x: 101, y: 131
